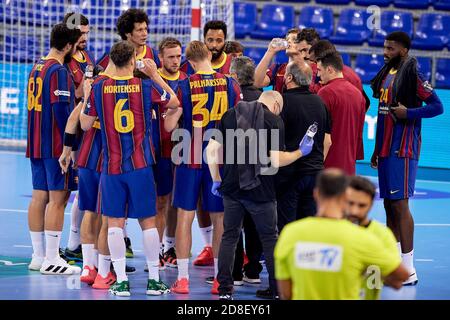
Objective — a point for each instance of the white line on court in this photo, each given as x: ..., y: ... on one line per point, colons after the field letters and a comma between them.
x: 21, y: 246
x: 23, y: 211
x: 424, y: 260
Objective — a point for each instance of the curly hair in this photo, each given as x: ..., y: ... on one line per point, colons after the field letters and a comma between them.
x: 126, y: 21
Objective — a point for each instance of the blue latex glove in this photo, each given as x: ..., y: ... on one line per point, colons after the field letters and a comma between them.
x: 215, y: 187
x: 306, y: 145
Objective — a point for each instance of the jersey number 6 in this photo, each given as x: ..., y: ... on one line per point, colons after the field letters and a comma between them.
x: 123, y: 116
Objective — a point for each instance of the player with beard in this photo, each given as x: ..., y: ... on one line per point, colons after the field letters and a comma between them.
x: 77, y: 67
x: 214, y: 34
x: 50, y: 101
x: 401, y: 91
x: 266, y: 75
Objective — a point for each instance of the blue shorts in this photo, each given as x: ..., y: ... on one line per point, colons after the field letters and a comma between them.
x: 47, y: 176
x: 188, y: 184
x: 128, y: 195
x: 164, y: 176
x: 397, y: 177
x: 89, y: 181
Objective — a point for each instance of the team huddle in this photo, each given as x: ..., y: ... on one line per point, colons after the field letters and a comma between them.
x: 131, y: 133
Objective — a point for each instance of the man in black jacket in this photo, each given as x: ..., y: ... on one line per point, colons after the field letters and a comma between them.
x: 295, y: 183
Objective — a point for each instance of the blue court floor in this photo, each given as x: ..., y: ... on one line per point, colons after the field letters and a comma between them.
x: 430, y: 208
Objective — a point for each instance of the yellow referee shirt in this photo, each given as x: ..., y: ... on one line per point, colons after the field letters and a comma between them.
x: 326, y: 258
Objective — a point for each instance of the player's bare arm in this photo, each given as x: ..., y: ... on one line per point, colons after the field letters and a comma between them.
x: 261, y: 78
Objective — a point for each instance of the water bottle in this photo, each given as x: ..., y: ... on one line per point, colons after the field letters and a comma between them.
x: 89, y: 71
x: 280, y: 43
x: 312, y: 130
x: 140, y: 64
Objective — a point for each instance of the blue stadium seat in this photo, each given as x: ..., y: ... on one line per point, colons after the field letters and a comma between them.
x: 333, y: 1
x: 8, y: 12
x: 346, y: 59
x: 281, y: 57
x: 352, y: 27
x: 97, y: 47
x: 412, y: 4
x: 255, y: 53
x: 318, y: 18
x: 244, y: 18
x: 104, y: 15
x: 424, y: 66
x: 432, y: 32
x: 441, y: 4
x: 443, y: 73
x: 20, y: 48
x: 380, y: 3
x: 367, y: 66
x: 275, y: 21
x: 392, y: 21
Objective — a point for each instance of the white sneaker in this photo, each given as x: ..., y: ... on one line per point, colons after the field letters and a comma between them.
x: 412, y: 280
x: 59, y: 267
x: 251, y: 280
x: 36, y: 263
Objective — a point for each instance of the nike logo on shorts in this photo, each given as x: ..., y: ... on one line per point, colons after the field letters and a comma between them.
x: 395, y: 191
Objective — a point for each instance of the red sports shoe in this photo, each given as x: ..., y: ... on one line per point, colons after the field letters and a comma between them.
x: 205, y: 258
x: 104, y: 283
x: 215, y: 287
x: 181, y: 286
x: 88, y: 275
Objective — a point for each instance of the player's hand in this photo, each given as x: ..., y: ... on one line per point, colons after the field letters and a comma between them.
x: 87, y: 87
x: 374, y: 161
x: 150, y: 68
x: 400, y: 112
x: 215, y: 188
x: 64, y: 159
x: 305, y: 146
x: 276, y: 49
x: 73, y: 157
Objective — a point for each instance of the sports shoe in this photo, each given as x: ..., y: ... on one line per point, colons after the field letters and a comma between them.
x: 251, y: 280
x: 129, y: 250
x: 209, y: 280
x: 205, y: 258
x: 121, y: 289
x: 412, y: 280
x: 266, y: 294
x: 170, y: 258
x: 162, y: 264
x: 104, y: 283
x: 88, y: 275
x: 181, y: 286
x: 156, y: 288
x: 36, y: 263
x: 63, y: 256
x: 74, y: 255
x: 130, y: 269
x: 225, y: 296
x: 58, y: 267
x: 215, y: 287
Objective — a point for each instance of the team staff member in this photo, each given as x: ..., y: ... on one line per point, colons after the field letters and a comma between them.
x: 246, y: 189
x: 50, y: 101
x: 323, y: 257
x: 346, y: 106
x: 296, y: 182
x: 401, y: 92
x: 360, y: 196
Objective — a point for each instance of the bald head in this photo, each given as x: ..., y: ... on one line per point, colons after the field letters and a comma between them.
x: 298, y: 74
x: 331, y: 183
x: 272, y: 100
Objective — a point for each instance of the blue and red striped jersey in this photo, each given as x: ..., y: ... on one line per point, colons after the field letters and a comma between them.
x: 162, y: 138
x: 276, y: 73
x: 50, y: 100
x: 148, y: 53
x: 124, y: 107
x: 400, y: 138
x: 90, y: 154
x: 205, y: 97
x: 222, y: 67
x: 77, y: 67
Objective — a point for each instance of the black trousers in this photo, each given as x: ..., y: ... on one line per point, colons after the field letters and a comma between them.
x: 265, y: 218
x: 296, y: 202
x: 253, y: 249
